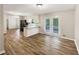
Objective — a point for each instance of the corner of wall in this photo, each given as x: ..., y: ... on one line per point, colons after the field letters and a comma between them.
x: 3, y: 51
x: 76, y: 46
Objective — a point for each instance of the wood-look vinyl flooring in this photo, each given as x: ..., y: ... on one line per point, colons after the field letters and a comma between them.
x: 39, y: 44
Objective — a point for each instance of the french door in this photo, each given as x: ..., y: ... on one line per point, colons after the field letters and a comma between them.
x: 52, y: 26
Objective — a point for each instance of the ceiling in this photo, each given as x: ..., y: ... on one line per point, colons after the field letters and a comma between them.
x: 28, y: 9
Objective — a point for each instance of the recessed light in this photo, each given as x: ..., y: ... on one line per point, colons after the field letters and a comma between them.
x: 39, y: 5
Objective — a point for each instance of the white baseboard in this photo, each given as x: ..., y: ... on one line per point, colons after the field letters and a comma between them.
x: 60, y: 36
x: 67, y: 38
x: 74, y: 41
x: 3, y: 51
x: 42, y: 32
x: 77, y: 46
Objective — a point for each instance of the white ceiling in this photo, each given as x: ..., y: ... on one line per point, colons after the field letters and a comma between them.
x: 28, y: 9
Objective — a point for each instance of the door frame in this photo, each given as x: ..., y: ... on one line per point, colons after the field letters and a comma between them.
x: 59, y: 25
x: 50, y: 30
x: 45, y: 31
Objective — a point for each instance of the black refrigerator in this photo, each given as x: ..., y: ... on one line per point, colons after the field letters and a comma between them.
x: 23, y: 23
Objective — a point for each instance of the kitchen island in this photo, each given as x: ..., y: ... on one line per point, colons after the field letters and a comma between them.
x: 30, y: 30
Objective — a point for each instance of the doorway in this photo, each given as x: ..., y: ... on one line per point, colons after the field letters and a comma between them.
x: 52, y: 26
x: 13, y: 23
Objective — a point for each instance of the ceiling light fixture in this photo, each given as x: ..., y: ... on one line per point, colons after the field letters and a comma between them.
x: 39, y: 5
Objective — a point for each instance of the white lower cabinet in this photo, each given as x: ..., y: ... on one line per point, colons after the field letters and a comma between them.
x: 30, y: 31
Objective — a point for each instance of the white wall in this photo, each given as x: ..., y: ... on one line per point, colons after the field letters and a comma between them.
x: 1, y: 30
x: 66, y: 22
x: 12, y: 21
x: 77, y: 27
x: 41, y: 23
x: 5, y: 22
x: 34, y: 17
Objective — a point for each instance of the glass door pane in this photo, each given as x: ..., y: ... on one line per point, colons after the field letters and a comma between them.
x: 47, y: 26
x: 55, y: 25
